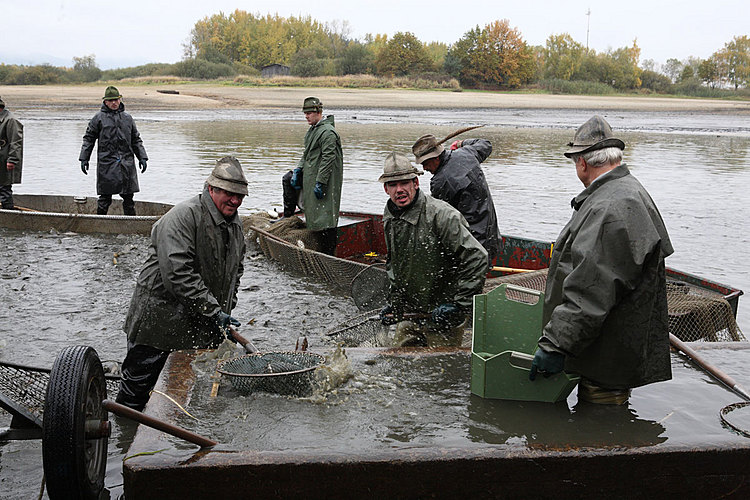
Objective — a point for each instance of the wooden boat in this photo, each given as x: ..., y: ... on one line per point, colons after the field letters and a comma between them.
x: 78, y: 214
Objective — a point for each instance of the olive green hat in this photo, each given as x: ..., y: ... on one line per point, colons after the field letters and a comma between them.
x: 397, y: 167
x: 593, y: 135
x: 228, y: 175
x: 2, y: 103
x: 111, y: 94
x: 426, y: 147
x: 312, y: 104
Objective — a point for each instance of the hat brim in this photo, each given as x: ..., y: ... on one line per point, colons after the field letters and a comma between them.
x: 398, y: 177
x: 432, y: 154
x: 232, y: 187
x: 605, y: 143
x: 111, y: 98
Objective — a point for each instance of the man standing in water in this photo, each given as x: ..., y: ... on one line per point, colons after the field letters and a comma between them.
x: 457, y: 179
x: 605, y: 304
x: 318, y: 177
x: 118, y: 140
x: 435, y: 266
x: 11, y: 155
x: 188, y: 286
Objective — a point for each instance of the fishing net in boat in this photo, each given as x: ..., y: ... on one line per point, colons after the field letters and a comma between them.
x: 285, y: 373
x: 25, y: 387
x: 289, y: 243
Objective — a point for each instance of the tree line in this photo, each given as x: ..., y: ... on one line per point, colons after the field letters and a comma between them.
x: 494, y: 56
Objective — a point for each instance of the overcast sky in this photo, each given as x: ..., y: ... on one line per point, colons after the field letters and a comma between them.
x: 123, y: 33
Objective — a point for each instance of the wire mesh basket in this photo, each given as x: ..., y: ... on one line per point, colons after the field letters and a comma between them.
x: 285, y: 373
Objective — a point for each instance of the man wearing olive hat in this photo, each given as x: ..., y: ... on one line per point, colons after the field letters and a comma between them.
x: 435, y: 266
x: 118, y: 140
x: 605, y: 304
x: 188, y: 286
x: 318, y: 177
x: 11, y: 155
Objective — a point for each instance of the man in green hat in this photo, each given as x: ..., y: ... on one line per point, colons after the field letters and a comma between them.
x: 119, y: 141
x: 188, y: 286
x: 605, y: 302
x: 11, y: 155
x: 315, y: 185
x: 435, y: 266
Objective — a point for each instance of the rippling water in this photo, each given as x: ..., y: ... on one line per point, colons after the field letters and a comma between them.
x: 63, y: 289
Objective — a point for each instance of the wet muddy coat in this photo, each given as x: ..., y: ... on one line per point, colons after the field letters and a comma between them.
x: 322, y: 161
x: 459, y: 180
x: 119, y: 141
x: 432, y: 257
x: 605, y: 302
x: 193, y: 270
x: 11, y: 148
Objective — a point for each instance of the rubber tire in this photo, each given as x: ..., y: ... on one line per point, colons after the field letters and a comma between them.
x: 74, y: 467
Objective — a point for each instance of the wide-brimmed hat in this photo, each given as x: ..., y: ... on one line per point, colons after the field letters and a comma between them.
x: 312, y: 104
x: 111, y: 93
x: 593, y: 135
x: 426, y: 147
x: 397, y: 167
x: 228, y: 175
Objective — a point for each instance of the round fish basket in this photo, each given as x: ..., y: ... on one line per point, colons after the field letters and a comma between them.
x: 286, y: 373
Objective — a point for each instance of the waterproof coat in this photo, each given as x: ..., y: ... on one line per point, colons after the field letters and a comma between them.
x: 459, y: 180
x: 11, y: 148
x: 118, y: 140
x: 192, y: 271
x: 605, y: 303
x: 432, y: 257
x: 322, y: 161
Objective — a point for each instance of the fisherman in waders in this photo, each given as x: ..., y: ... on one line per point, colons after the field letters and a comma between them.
x: 605, y: 302
x: 435, y: 266
x: 188, y: 286
x: 11, y: 155
x: 458, y: 180
x: 315, y: 185
x: 119, y: 141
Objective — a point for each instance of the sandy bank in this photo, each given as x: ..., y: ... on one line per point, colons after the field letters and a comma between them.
x: 204, y: 96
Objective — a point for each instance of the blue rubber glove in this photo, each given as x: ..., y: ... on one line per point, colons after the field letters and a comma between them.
x: 447, y: 315
x: 388, y: 315
x: 85, y: 167
x: 319, y: 190
x: 142, y: 164
x: 223, y: 320
x: 547, y: 363
x: 296, y: 180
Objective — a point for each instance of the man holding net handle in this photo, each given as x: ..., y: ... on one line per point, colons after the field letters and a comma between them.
x: 435, y: 266
x: 188, y: 286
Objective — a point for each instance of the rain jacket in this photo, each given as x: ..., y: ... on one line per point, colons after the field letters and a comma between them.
x: 459, y: 180
x: 322, y: 161
x: 192, y: 271
x: 11, y: 148
x: 605, y: 303
x: 119, y: 140
x: 432, y: 257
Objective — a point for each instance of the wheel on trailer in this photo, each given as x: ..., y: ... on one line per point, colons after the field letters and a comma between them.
x: 75, y: 428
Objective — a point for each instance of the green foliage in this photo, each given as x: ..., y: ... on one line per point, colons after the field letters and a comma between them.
x: 356, y: 59
x: 85, y: 69
x: 306, y: 63
x: 458, y: 59
x: 656, y: 82
x: 736, y: 55
x: 402, y: 55
x: 562, y: 57
x: 33, y: 75
x: 202, y: 69
x: 151, y: 69
x: 579, y: 87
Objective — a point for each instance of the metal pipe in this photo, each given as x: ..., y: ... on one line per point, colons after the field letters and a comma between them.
x: 157, y: 424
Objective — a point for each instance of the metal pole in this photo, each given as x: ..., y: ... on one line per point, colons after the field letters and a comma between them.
x: 588, y: 23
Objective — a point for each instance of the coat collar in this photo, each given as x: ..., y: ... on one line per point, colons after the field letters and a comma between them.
x: 618, y: 172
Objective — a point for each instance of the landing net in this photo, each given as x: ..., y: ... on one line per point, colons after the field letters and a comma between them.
x: 286, y: 373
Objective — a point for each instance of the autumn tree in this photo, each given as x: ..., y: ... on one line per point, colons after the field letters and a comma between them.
x: 562, y: 56
x: 403, y: 54
x: 736, y: 55
x: 85, y: 69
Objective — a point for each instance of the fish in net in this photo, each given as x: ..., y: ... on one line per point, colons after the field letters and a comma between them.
x: 285, y: 373
x: 362, y: 330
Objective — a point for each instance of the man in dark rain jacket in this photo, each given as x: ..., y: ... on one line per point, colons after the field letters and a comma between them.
x: 188, y: 285
x: 457, y: 179
x: 434, y: 264
x: 11, y: 155
x: 605, y: 304
x: 118, y: 140
x: 319, y: 175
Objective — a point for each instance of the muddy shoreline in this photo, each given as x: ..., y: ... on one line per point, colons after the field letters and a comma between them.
x: 198, y: 96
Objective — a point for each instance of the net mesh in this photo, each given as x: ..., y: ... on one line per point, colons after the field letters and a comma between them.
x: 362, y: 330
x: 27, y: 386
x: 285, y: 373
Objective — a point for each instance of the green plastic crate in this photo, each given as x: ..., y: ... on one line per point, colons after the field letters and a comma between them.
x: 504, y: 340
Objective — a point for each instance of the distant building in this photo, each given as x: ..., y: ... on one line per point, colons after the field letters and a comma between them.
x: 274, y: 70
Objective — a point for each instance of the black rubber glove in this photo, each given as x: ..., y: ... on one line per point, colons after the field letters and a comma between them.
x: 85, y: 166
x: 319, y: 190
x: 447, y: 315
x: 388, y: 315
x: 547, y: 363
x: 142, y: 164
x: 223, y: 320
x: 296, y: 181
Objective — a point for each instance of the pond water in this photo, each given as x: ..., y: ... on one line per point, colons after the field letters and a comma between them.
x: 63, y: 289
